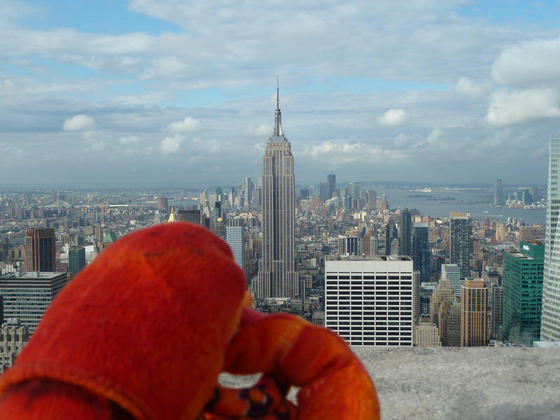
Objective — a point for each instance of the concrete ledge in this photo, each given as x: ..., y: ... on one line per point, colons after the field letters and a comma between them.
x: 466, y: 383
x: 460, y: 383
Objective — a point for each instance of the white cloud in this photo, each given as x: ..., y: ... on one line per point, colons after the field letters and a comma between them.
x: 512, y: 107
x: 356, y: 152
x: 531, y: 62
x: 471, y: 89
x: 129, y: 140
x: 188, y: 125
x: 261, y: 130
x: 172, y: 144
x: 79, y: 122
x: 393, y: 117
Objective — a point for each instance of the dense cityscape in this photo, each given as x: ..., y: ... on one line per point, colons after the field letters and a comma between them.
x: 371, y: 197
x: 339, y: 255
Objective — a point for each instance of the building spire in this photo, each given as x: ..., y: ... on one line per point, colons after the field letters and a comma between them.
x: 277, y: 113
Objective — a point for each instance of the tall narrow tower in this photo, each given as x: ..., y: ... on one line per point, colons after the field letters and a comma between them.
x: 550, y: 325
x: 277, y: 270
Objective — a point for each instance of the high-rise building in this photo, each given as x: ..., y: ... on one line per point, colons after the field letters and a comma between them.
x: 405, y: 233
x: 324, y: 191
x: 348, y: 245
x: 461, y: 242
x: 474, y: 316
x: 522, y: 293
x: 550, y: 324
x: 390, y: 235
x: 40, y: 250
x: 452, y: 272
x: 422, y: 254
x: 13, y: 337
x: 426, y: 334
x: 331, y: 181
x: 450, y: 324
x: 76, y: 259
x: 498, y: 193
x: 234, y: 238
x: 442, y: 293
x: 191, y: 216
x: 497, y: 293
x: 162, y: 203
x: 27, y: 296
x: 353, y: 190
x: 277, y: 270
x: 368, y: 300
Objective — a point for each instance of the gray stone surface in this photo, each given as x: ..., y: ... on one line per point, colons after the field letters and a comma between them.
x: 463, y: 383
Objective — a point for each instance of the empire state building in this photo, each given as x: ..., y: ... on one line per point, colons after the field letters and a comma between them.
x: 277, y: 269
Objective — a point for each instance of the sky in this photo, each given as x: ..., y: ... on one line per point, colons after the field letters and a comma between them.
x: 170, y: 93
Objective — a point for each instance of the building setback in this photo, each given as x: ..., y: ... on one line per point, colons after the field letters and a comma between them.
x: 28, y: 295
x: 369, y: 300
x: 522, y: 293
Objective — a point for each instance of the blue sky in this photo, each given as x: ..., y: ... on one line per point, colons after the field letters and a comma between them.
x: 147, y: 93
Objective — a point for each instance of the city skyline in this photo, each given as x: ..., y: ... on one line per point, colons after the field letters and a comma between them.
x: 131, y: 93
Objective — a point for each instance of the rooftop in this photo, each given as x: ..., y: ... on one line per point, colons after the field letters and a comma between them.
x: 368, y: 258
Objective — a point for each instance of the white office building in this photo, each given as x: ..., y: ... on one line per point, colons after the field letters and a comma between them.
x: 369, y: 300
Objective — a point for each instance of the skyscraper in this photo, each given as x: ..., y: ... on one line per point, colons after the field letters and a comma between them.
x: 76, y: 259
x: 522, y: 293
x: 405, y: 233
x: 234, y: 238
x: 331, y: 181
x: 421, y: 251
x: 27, y: 296
x: 461, y: 242
x: 474, y: 317
x: 40, y: 252
x: 550, y: 324
x: 452, y: 273
x: 498, y: 193
x: 369, y: 300
x: 277, y: 270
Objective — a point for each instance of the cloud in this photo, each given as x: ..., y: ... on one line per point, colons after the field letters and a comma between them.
x: 355, y: 152
x: 261, y: 130
x: 393, y: 117
x: 531, y: 62
x: 172, y: 144
x: 471, y: 89
x: 79, y: 122
x: 517, y: 106
x: 188, y: 125
x: 129, y: 140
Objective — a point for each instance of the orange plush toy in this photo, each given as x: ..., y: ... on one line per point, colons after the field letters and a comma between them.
x: 145, y: 330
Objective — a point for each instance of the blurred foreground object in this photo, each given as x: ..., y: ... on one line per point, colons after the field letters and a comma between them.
x: 144, y: 331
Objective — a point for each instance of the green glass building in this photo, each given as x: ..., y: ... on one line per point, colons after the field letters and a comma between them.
x: 522, y: 293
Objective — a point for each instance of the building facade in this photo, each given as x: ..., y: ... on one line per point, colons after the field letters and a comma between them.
x: 405, y: 233
x: 550, y: 324
x: 422, y: 254
x: 40, y: 250
x: 13, y: 336
x: 277, y: 275
x: 522, y: 293
x: 474, y: 316
x: 452, y: 272
x: 27, y: 296
x: 461, y: 242
x: 76, y: 259
x: 369, y: 300
x: 234, y: 238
